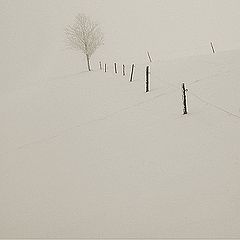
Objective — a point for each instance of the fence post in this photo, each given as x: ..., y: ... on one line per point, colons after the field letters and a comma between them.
x: 147, y: 79
x: 131, y: 77
x: 150, y: 59
x: 185, y: 110
x: 123, y: 68
x: 115, y: 67
x: 105, y: 67
x: 100, y: 65
x: 213, y: 49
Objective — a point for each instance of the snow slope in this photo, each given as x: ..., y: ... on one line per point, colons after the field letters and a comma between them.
x: 92, y: 155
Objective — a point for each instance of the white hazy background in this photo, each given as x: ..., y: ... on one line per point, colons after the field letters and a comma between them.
x: 90, y: 155
x: 32, y: 33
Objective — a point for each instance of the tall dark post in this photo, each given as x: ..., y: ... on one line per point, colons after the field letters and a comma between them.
x: 150, y: 59
x: 147, y: 79
x: 115, y: 67
x: 105, y: 67
x: 184, y: 99
x: 131, y: 77
x: 213, y: 49
x: 123, y: 68
x: 100, y: 65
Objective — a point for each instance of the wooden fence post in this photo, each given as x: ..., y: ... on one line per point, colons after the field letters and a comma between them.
x: 147, y: 79
x: 131, y: 76
x: 100, y: 65
x: 105, y: 67
x: 150, y: 59
x: 184, y: 90
x: 213, y: 49
x: 123, y: 70
x: 115, y: 67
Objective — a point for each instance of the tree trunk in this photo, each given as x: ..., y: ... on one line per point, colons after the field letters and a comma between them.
x: 88, y: 63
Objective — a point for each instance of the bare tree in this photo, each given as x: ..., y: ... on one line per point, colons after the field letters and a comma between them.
x: 84, y: 35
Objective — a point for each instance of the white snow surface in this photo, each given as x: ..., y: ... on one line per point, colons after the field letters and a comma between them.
x: 91, y: 155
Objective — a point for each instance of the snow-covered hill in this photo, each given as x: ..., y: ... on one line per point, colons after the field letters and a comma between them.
x: 92, y: 155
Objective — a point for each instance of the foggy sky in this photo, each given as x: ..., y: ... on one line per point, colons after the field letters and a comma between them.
x: 32, y: 32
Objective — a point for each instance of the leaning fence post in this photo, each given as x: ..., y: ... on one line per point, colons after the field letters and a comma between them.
x: 149, y: 56
x: 131, y: 77
x: 147, y: 79
x: 184, y: 96
x: 213, y: 49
